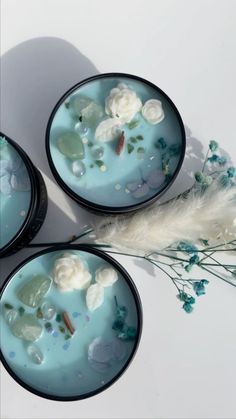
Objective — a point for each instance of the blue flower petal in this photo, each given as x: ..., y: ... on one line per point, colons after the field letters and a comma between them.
x: 4, y: 167
x: 5, y: 186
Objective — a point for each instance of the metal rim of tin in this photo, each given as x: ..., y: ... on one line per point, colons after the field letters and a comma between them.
x: 138, y: 304
x: 102, y: 209
x: 37, y: 208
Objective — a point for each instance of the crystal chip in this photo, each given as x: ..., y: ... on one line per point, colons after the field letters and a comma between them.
x: 33, y: 291
x: 81, y: 128
x: 71, y: 145
x: 48, y: 310
x: 26, y: 327
x: 11, y: 315
x: 97, y: 152
x: 78, y: 168
x: 35, y: 354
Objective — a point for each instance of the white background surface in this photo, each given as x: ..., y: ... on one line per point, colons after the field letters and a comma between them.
x: 185, y: 365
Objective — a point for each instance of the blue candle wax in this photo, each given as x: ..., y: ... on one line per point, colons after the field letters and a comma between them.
x: 116, y: 141
x: 15, y: 192
x: 61, y: 364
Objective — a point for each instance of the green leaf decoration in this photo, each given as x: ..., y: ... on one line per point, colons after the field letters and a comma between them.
x: 8, y: 306
x: 130, y: 148
x: 58, y: 318
x: 99, y: 163
x: 67, y: 337
x: 67, y: 105
x: 133, y: 140
x: 139, y: 137
x: 48, y: 325
x: 62, y: 329
x: 21, y: 311
x: 39, y: 313
x: 133, y: 124
x: 141, y: 150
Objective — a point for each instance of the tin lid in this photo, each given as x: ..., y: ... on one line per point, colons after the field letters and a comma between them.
x: 15, y: 191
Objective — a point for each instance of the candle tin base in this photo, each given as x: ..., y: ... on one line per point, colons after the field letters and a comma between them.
x: 108, y: 164
x: 29, y: 197
x: 69, y: 363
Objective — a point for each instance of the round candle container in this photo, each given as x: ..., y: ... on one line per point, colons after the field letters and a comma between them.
x: 71, y: 322
x: 23, y: 198
x: 115, y: 142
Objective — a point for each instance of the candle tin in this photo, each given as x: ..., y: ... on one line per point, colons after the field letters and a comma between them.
x: 115, y: 143
x: 68, y: 344
x: 23, y: 197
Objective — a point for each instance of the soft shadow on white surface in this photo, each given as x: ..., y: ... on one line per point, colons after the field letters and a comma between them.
x: 34, y: 75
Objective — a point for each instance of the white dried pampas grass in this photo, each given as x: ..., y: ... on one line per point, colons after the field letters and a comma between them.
x: 210, y: 215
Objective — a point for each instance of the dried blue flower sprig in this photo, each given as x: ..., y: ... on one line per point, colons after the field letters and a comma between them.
x: 187, y: 234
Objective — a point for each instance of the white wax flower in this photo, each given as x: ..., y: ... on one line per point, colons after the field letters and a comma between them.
x: 122, y: 103
x: 106, y: 277
x: 153, y: 112
x: 70, y: 273
x: 107, y: 130
x: 94, y: 296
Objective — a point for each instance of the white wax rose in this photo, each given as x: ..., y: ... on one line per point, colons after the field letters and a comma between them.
x: 122, y: 103
x: 153, y: 112
x: 70, y: 273
x: 106, y: 276
x: 107, y: 130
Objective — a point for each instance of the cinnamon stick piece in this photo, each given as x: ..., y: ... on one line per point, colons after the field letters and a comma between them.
x: 121, y: 143
x: 68, y: 323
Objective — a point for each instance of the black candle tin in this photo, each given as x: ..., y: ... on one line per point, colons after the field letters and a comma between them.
x: 29, y: 375
x: 109, y: 207
x: 37, y: 201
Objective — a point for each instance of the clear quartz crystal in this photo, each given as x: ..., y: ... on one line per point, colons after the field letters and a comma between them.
x: 48, y: 310
x: 35, y: 354
x: 78, y: 168
x: 97, y: 152
x: 11, y: 315
x: 81, y: 128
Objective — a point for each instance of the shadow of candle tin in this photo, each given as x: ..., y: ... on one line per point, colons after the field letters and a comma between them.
x: 115, y: 143
x: 23, y: 203
x: 76, y: 362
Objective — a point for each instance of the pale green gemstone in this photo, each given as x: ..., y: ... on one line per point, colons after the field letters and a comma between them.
x: 92, y: 113
x: 86, y: 108
x: 34, y: 290
x: 70, y: 144
x: 78, y: 103
x: 27, y: 328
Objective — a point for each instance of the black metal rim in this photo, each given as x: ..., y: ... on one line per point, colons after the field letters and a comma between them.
x: 102, y: 208
x: 33, y: 201
x: 132, y: 286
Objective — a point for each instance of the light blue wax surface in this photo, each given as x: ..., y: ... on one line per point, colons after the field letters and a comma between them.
x: 66, y: 371
x: 101, y: 187
x: 15, y: 192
